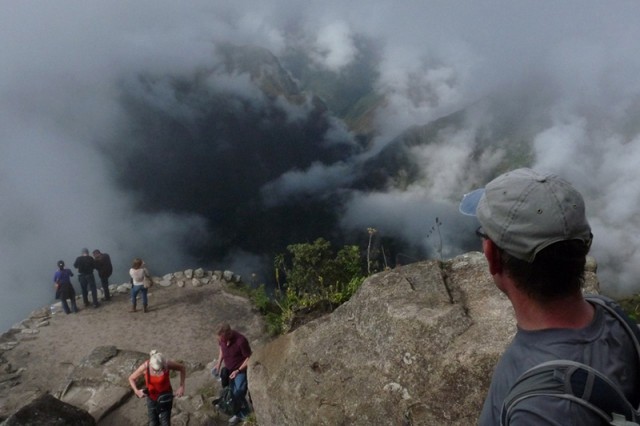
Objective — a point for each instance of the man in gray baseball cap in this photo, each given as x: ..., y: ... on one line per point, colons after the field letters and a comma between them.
x: 535, y: 237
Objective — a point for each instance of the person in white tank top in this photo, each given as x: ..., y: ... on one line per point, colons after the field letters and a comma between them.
x: 137, y: 272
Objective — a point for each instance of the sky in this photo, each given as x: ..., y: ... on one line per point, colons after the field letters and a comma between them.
x: 570, y: 69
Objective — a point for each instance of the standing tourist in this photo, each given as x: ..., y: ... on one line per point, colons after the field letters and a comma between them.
x: 103, y: 265
x: 137, y: 272
x: 64, y: 288
x: 85, y: 265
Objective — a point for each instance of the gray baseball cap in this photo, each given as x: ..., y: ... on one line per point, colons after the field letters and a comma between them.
x: 524, y: 211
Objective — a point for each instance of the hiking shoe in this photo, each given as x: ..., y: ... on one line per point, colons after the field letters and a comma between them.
x: 235, y: 419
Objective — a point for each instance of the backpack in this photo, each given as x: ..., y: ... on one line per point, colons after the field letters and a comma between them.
x: 227, y: 403
x: 578, y: 382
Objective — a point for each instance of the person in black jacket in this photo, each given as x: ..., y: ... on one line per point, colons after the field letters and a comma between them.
x: 85, y: 266
x: 102, y: 263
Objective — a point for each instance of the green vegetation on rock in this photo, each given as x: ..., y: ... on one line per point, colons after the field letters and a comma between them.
x: 311, y: 279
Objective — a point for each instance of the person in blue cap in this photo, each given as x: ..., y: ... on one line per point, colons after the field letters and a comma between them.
x: 535, y: 237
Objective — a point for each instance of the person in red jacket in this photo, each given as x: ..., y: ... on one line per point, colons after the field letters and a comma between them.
x: 158, y: 391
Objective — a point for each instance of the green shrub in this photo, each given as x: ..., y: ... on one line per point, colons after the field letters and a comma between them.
x: 261, y: 299
x: 313, y: 273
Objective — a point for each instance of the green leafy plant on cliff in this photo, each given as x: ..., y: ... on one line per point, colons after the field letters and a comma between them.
x: 311, y: 274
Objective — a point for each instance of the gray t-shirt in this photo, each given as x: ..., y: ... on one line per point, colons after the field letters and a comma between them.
x: 604, y: 345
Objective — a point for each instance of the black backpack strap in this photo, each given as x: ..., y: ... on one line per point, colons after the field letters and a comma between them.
x: 578, y: 382
x: 615, y: 309
x: 572, y: 381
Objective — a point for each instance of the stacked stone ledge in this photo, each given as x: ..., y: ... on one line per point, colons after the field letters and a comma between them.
x: 194, y: 277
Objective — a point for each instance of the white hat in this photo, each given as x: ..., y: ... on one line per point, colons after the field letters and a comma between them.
x: 157, y: 361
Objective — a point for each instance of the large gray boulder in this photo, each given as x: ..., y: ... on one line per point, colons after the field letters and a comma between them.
x: 99, y: 384
x: 415, y: 346
x: 50, y: 411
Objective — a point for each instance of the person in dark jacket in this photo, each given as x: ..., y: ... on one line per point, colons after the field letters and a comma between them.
x: 64, y: 288
x: 234, y: 351
x: 102, y: 263
x: 85, y: 266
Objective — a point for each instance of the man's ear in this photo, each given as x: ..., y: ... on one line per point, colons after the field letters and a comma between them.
x: 493, y: 255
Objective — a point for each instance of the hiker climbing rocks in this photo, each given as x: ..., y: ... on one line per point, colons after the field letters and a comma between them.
x: 234, y: 351
x: 158, y: 391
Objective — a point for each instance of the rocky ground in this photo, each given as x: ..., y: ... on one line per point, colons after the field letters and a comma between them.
x: 40, y: 354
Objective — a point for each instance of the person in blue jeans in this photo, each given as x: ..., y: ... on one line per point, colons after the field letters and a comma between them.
x: 137, y: 272
x: 85, y: 266
x: 234, y: 351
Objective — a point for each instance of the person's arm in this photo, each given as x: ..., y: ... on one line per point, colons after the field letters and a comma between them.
x: 183, y: 374
x: 243, y: 367
x: 134, y: 376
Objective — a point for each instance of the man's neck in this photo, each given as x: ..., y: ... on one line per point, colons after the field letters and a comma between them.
x: 570, y: 312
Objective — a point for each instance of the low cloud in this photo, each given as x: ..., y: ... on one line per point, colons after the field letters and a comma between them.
x: 563, y: 79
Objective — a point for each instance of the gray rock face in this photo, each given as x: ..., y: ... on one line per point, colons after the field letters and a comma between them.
x: 47, y: 410
x: 415, y: 345
x: 99, y: 383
